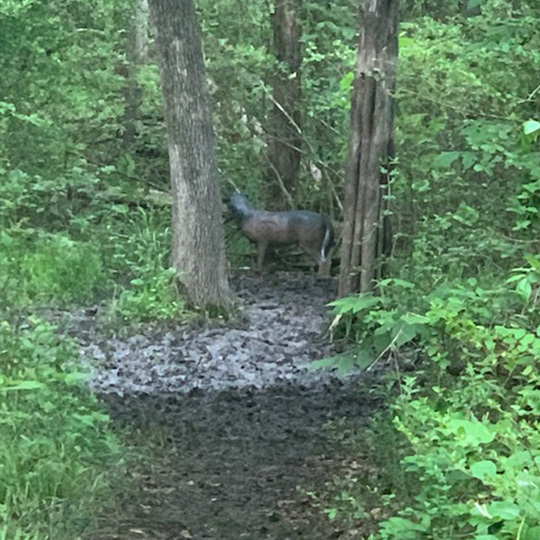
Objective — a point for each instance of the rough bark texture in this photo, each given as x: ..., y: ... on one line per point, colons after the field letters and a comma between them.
x: 285, y: 119
x: 137, y: 54
x: 198, y: 238
x: 366, y: 229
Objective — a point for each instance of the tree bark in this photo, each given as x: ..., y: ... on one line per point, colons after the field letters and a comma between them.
x: 366, y: 229
x: 198, y: 237
x: 285, y: 137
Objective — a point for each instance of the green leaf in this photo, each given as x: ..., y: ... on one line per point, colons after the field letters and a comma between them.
x: 474, y: 431
x: 347, y: 364
x: 404, y: 334
x: 469, y: 159
x: 404, y: 529
x: 484, y: 469
x: 466, y: 214
x: 533, y: 261
x: 524, y: 289
x: 445, y: 159
x: 364, y: 358
x: 24, y: 385
x: 421, y: 185
x: 482, y: 510
x: 532, y: 534
x: 330, y: 361
x: 355, y: 304
x: 414, y: 318
x: 332, y: 513
x: 347, y: 81
x: 75, y: 377
x: 531, y: 126
x: 506, y: 510
x: 405, y: 41
x: 471, y: 4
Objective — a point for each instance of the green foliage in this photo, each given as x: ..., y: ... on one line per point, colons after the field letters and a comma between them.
x: 78, y: 224
x: 474, y: 437
x: 239, y: 67
x: 463, y: 158
x: 153, y: 298
x: 58, y: 457
x: 137, y: 251
x: 48, y: 268
x: 469, y: 411
x: 104, y: 245
x: 59, y: 81
x: 62, y: 269
x: 378, y: 324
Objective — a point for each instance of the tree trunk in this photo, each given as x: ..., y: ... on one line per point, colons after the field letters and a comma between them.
x: 366, y: 228
x: 198, y: 237
x: 137, y: 54
x: 285, y: 120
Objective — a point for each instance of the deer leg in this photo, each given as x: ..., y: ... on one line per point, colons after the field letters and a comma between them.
x: 324, y: 268
x: 315, y: 254
x: 262, y: 246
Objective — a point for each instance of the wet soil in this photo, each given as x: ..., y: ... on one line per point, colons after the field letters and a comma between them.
x: 231, y: 418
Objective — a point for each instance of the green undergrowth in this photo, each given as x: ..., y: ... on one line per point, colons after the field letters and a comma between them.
x: 83, y: 253
x: 59, y: 459
x: 67, y: 242
x: 465, y: 397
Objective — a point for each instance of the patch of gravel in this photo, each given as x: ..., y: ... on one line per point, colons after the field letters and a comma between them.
x: 279, y: 337
x: 237, y: 418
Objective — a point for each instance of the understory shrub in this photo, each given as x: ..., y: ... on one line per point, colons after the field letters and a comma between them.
x: 50, y: 268
x: 470, y: 410
x: 138, y: 253
x: 63, y: 269
x: 153, y: 296
x: 107, y: 249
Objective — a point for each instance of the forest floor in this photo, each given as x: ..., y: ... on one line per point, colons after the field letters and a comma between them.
x: 232, y: 425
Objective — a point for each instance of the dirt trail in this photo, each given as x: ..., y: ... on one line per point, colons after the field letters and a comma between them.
x: 233, y: 416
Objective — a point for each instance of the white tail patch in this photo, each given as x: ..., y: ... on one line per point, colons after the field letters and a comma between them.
x: 325, y: 242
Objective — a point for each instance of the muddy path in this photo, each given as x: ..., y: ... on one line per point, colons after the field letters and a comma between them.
x: 231, y: 418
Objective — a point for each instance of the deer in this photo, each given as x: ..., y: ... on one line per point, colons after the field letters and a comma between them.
x: 311, y: 231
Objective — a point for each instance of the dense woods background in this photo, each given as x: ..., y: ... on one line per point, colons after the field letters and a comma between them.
x: 85, y: 218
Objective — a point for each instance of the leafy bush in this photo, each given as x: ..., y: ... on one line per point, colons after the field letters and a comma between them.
x: 152, y: 297
x: 108, y: 247
x: 137, y: 252
x: 57, y: 455
x: 49, y: 268
x: 470, y: 411
x: 63, y: 269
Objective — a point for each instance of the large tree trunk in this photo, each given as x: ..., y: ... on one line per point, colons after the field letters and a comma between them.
x: 366, y: 229
x: 198, y: 238
x: 137, y: 55
x: 285, y: 119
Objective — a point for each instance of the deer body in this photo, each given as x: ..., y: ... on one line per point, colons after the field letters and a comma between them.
x: 311, y: 231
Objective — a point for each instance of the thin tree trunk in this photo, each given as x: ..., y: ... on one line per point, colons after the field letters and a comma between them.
x: 366, y: 229
x: 198, y: 238
x: 285, y: 118
x: 137, y: 55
